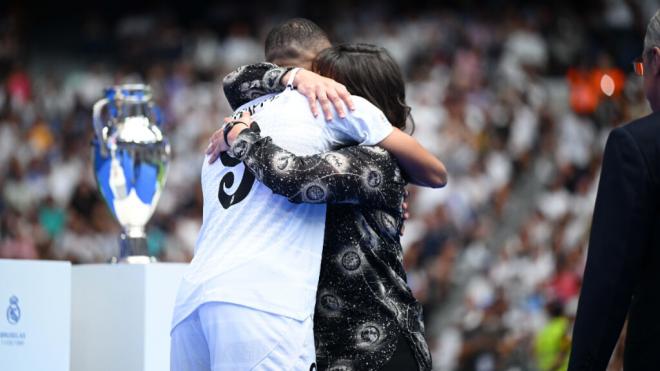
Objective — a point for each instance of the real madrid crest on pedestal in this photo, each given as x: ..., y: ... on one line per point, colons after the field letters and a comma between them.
x: 131, y: 157
x: 13, y: 311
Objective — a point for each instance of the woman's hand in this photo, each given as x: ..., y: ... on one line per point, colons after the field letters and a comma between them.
x: 217, y: 143
x: 327, y: 91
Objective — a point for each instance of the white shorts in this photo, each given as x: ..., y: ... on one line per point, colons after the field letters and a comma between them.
x: 223, y: 336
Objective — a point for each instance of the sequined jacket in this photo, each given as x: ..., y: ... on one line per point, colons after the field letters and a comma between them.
x: 363, y: 301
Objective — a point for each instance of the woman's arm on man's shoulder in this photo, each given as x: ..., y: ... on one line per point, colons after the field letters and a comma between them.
x: 356, y: 174
x: 255, y: 80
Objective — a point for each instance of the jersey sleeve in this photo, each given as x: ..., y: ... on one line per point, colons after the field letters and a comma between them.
x: 355, y: 175
x: 366, y: 125
x: 252, y: 81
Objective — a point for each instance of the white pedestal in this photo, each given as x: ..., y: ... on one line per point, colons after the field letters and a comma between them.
x: 35, y: 315
x: 121, y: 316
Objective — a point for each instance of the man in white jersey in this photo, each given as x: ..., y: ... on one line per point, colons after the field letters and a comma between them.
x: 246, y: 301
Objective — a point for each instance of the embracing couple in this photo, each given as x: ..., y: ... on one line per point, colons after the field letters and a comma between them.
x: 298, y: 263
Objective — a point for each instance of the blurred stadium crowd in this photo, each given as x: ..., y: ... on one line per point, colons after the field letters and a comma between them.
x: 517, y: 102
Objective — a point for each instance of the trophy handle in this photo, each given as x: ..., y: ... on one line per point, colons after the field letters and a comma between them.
x: 98, y: 124
x: 158, y: 115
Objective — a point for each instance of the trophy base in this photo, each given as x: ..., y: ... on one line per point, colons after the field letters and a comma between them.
x: 133, y: 250
x: 134, y: 259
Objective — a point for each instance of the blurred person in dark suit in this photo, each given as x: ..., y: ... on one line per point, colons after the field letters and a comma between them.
x: 622, y: 275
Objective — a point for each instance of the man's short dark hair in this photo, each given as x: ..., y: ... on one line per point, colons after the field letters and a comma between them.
x: 294, y: 39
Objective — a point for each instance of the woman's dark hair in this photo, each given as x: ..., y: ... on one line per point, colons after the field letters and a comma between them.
x: 368, y: 71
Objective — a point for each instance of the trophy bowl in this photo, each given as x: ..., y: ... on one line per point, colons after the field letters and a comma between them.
x: 131, y: 158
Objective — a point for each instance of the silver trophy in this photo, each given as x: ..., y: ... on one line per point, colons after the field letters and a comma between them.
x: 131, y: 157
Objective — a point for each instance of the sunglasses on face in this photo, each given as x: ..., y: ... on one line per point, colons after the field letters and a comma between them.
x: 638, y: 63
x: 638, y: 66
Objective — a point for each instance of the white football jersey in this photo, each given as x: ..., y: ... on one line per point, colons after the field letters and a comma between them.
x: 255, y: 248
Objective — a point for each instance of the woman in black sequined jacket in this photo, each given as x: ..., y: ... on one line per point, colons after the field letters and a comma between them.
x: 366, y: 317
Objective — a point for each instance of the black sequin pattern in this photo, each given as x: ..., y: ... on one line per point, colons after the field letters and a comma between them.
x: 363, y: 303
x: 252, y: 81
